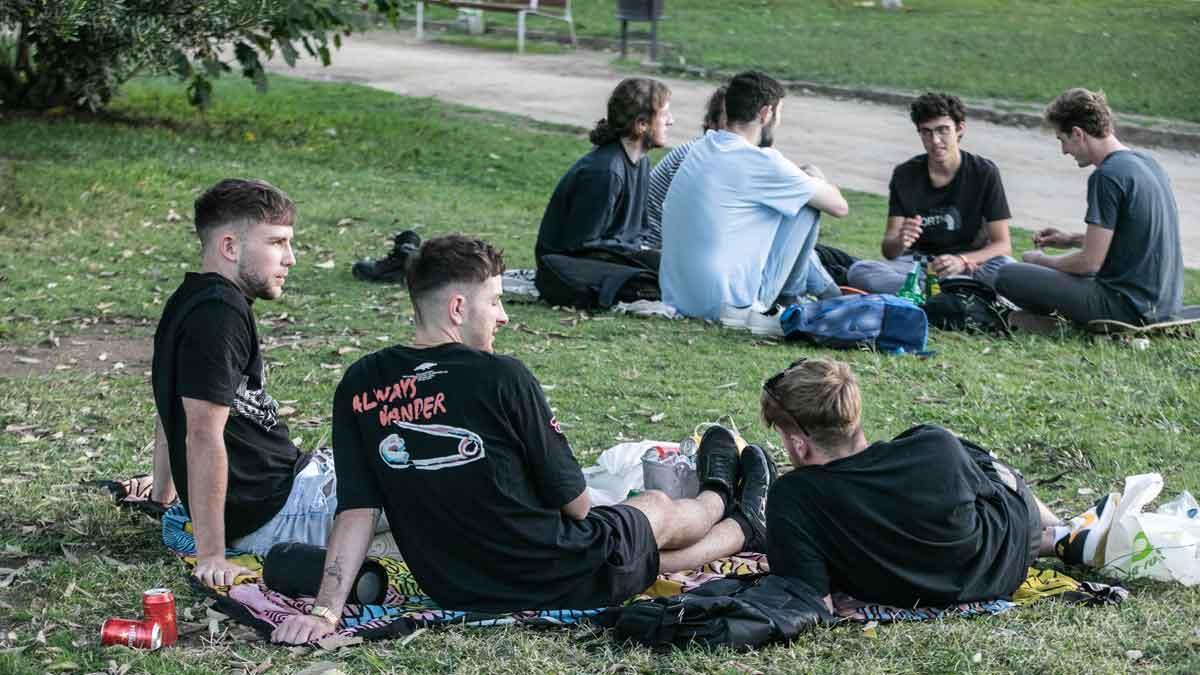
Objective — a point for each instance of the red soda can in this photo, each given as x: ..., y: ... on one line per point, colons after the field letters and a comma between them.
x: 158, y: 606
x: 131, y: 633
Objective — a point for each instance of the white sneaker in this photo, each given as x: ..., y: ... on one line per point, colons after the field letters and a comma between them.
x: 766, y: 325
x: 734, y: 317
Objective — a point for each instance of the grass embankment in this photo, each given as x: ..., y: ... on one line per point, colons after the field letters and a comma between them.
x: 1143, y: 54
x: 89, y: 252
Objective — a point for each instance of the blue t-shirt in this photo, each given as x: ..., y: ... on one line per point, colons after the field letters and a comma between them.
x: 1130, y: 194
x: 722, y: 213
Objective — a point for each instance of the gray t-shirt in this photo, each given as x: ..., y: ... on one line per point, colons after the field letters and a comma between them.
x: 1130, y: 194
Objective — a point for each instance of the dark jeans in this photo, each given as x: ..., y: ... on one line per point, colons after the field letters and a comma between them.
x: 645, y: 258
x: 1044, y: 291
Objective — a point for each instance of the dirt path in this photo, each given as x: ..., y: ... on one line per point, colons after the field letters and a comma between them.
x: 855, y: 143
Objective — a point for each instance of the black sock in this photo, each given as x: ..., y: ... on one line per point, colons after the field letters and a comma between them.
x: 719, y: 490
x: 747, y: 530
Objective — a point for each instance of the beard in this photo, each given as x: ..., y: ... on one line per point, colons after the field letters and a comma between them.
x: 255, y: 286
x: 768, y: 133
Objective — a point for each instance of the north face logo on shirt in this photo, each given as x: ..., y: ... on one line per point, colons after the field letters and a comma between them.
x: 424, y: 366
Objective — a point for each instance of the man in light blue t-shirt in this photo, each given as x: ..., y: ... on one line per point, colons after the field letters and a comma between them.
x: 740, y: 220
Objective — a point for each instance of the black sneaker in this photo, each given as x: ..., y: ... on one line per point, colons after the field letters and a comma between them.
x: 392, y: 268
x: 717, y: 462
x: 758, y: 473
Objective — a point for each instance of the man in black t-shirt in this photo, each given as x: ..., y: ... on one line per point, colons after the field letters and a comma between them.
x: 461, y: 450
x: 219, y: 441
x: 946, y: 205
x: 598, y: 209
x: 924, y: 519
x: 1129, y: 266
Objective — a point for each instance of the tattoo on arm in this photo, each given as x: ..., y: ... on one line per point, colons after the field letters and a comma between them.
x: 334, y: 570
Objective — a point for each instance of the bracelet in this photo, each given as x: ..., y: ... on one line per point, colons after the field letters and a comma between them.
x: 325, y: 613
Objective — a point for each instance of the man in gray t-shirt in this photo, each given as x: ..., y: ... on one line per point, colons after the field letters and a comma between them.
x: 1129, y: 266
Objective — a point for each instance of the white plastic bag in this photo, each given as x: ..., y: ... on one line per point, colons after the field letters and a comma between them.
x: 1163, y: 545
x: 617, y: 471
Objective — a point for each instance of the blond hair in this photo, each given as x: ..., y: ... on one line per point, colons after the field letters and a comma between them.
x: 818, y: 397
x: 1081, y: 108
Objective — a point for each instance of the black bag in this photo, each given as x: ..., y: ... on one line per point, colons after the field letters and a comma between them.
x: 593, y: 284
x: 967, y: 304
x: 835, y: 261
x: 736, y: 612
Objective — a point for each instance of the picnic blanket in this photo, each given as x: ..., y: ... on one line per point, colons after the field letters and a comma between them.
x: 406, y: 608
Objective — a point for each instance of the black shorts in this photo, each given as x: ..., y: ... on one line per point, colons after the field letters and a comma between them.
x: 1014, y: 482
x: 630, y: 567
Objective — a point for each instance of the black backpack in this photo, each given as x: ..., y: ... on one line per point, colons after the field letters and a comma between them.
x: 736, y: 612
x: 970, y: 305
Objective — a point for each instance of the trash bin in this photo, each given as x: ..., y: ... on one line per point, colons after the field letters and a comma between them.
x: 640, y: 10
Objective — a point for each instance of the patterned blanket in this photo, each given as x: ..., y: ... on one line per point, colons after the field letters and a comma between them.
x: 406, y: 608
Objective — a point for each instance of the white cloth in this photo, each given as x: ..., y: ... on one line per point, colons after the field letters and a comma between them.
x: 735, y: 227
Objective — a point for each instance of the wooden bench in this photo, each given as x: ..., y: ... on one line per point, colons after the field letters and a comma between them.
x: 551, y: 9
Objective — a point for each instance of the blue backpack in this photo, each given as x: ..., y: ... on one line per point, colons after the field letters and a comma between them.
x: 885, y: 322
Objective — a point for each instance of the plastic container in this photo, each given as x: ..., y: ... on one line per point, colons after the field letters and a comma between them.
x: 666, y: 469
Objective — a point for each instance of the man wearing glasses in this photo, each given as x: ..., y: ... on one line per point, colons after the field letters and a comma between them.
x: 924, y: 519
x: 947, y: 206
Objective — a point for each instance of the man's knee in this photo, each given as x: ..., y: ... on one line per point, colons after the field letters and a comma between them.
x: 656, y: 505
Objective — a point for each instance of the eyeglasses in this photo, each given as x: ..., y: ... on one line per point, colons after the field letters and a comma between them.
x: 942, y: 131
x: 773, y: 381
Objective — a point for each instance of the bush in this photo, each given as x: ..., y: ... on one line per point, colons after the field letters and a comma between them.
x: 77, y: 53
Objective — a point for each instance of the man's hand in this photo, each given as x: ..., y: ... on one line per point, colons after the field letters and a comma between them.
x: 1054, y: 238
x: 300, y: 629
x: 217, y: 571
x: 812, y: 170
x: 948, y: 265
x: 1033, y: 257
x: 910, y: 231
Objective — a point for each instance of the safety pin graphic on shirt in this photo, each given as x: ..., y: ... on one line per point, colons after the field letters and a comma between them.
x: 395, y: 452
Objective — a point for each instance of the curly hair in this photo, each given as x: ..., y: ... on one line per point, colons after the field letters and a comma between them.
x: 748, y: 92
x: 714, y: 114
x: 636, y: 99
x: 1081, y: 108
x: 931, y: 105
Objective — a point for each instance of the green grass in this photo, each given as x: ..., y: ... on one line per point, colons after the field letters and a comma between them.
x: 87, y: 251
x: 1142, y: 53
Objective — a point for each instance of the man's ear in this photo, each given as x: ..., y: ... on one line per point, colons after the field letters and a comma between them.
x: 764, y: 115
x: 798, y: 448
x: 961, y: 128
x: 227, y: 244
x: 457, y: 307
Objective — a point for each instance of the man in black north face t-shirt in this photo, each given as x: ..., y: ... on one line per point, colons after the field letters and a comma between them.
x: 946, y: 205
x: 219, y: 441
x: 459, y: 447
x: 924, y: 519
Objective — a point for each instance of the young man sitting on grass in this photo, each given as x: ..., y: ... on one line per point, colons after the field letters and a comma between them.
x: 924, y: 519
x: 1129, y: 266
x: 459, y: 447
x: 598, y: 209
x: 946, y: 204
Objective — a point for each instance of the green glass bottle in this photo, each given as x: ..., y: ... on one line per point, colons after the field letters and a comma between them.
x: 911, y: 290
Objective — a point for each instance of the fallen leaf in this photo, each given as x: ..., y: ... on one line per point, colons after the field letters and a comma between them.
x: 286, y: 411
x: 331, y: 366
x: 869, y: 630
x: 104, y: 305
x: 321, y: 668
x: 1134, y: 654
x: 327, y: 265
x: 343, y: 222
x: 63, y: 667
x: 261, y: 668
x: 342, y: 351
x: 26, y: 359
x: 727, y: 385
x: 657, y: 417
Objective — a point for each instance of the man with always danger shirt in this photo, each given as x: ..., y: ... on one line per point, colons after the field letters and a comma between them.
x: 487, y: 503
x: 947, y: 204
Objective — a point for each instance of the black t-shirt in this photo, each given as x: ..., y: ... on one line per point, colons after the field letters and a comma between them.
x: 206, y: 348
x: 600, y: 203
x: 954, y: 216
x: 461, y: 450
x: 914, y: 521
x: 1130, y: 194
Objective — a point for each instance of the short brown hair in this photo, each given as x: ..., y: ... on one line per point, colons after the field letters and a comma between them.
x: 818, y: 397
x: 241, y: 202
x: 714, y: 114
x: 1081, y: 108
x: 636, y: 99
x: 451, y: 259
